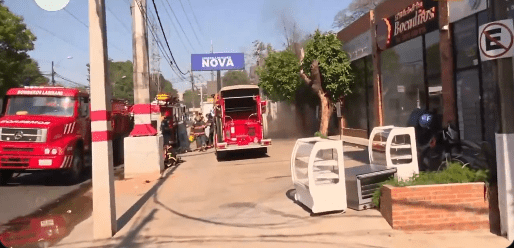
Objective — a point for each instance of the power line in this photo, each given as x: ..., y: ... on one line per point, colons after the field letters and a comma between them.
x: 176, y: 30
x: 56, y: 36
x: 161, y: 47
x: 155, y: 37
x: 87, y: 26
x: 196, y: 20
x: 75, y: 18
x: 125, y: 26
x: 66, y: 79
x: 192, y: 28
x: 167, y: 44
x: 180, y: 25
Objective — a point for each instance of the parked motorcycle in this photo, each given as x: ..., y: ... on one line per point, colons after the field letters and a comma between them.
x: 439, y: 147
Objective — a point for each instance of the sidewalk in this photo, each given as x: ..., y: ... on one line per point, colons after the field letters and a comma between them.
x: 247, y: 202
x: 351, y: 140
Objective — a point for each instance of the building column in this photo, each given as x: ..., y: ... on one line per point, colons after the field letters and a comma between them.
x: 505, y: 136
x: 377, y: 79
x: 446, y: 56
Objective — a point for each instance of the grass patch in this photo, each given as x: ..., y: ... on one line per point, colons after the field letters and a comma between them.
x: 453, y: 174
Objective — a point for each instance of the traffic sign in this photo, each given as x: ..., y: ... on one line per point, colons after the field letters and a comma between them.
x: 495, y: 40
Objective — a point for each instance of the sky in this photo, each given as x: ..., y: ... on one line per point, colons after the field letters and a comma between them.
x: 231, y: 25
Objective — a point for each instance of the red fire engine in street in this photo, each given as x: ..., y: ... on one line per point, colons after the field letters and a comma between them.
x: 238, y: 120
x: 49, y: 129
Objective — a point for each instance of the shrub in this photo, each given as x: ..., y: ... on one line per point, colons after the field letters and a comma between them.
x: 453, y: 174
x: 319, y: 134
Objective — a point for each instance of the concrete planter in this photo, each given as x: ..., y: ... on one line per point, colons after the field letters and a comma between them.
x: 436, y: 207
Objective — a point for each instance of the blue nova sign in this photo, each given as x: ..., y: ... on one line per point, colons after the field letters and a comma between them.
x: 217, y: 61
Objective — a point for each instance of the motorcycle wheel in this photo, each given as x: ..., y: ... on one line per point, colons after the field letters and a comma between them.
x: 445, y: 163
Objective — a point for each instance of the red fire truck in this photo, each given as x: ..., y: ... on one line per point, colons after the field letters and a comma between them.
x: 49, y: 129
x: 238, y: 120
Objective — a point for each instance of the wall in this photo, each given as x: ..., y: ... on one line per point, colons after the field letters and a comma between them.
x: 436, y: 207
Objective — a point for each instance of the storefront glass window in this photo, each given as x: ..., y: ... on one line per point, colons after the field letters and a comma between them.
x: 489, y: 87
x: 483, y: 18
x: 432, y: 52
x: 403, y: 87
x: 465, y: 44
x: 468, y: 104
x: 355, y: 103
x: 435, y: 90
x: 371, y: 95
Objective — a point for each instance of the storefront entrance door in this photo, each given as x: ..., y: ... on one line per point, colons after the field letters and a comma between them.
x: 468, y: 104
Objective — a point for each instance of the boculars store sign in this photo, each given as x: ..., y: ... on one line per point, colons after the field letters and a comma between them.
x: 418, y: 18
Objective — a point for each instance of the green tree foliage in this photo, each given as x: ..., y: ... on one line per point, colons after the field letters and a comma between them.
x: 122, y: 83
x: 334, y: 65
x: 279, y: 77
x: 16, y: 40
x: 188, y: 96
x: 324, y: 67
x: 167, y: 87
x: 121, y: 79
x: 235, y: 78
x: 30, y: 74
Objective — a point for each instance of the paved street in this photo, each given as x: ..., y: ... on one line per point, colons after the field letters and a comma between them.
x: 28, y: 193
x: 246, y: 201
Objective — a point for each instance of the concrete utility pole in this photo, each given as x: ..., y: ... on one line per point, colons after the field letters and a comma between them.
x: 192, y: 89
x: 104, y: 210
x: 53, y: 73
x: 142, y: 159
x: 219, y: 80
x: 505, y: 136
x: 156, y: 59
x: 212, y: 72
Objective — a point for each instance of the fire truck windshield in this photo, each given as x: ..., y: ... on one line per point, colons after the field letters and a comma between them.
x: 40, y: 105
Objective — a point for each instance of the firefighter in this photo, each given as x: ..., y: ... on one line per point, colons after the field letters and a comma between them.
x: 210, y: 124
x: 199, y: 132
x: 165, y: 128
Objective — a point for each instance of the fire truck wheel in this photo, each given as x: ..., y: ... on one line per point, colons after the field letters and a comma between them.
x: 5, y: 176
x: 75, y: 172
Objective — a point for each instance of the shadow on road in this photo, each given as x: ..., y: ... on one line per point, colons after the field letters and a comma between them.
x: 360, y: 156
x: 243, y: 155
x: 129, y: 214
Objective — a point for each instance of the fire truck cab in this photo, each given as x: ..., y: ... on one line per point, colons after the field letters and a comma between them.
x: 238, y: 120
x: 49, y: 129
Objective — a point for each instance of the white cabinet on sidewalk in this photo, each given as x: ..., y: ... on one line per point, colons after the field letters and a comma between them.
x: 394, y: 147
x: 317, y: 170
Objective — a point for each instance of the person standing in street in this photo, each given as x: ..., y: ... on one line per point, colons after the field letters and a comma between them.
x: 166, y: 129
x: 182, y: 135
x: 210, y: 124
x: 199, y: 132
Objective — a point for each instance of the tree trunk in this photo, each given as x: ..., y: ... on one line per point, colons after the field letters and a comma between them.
x: 326, y: 112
